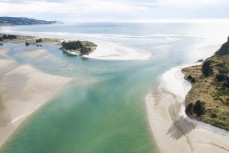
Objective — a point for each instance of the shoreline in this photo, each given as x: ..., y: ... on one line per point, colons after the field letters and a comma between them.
x: 105, y: 50
x: 172, y: 129
x: 23, y: 91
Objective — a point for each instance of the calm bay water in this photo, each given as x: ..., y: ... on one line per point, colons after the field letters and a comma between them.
x: 103, y: 111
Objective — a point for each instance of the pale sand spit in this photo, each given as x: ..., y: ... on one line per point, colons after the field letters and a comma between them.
x: 23, y: 90
x: 111, y: 51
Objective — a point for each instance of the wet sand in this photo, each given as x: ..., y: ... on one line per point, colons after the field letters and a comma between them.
x: 23, y: 89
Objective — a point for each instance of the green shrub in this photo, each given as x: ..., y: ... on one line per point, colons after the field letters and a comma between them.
x: 27, y: 44
x: 9, y: 36
x: 72, y: 45
x: 221, y: 77
x: 189, y: 77
x: 189, y: 109
x: 193, y: 80
x: 199, y: 108
x: 39, y: 40
x: 207, y: 69
x: 213, y: 115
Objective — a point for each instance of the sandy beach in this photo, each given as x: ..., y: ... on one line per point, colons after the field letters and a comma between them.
x: 23, y: 89
x: 111, y: 51
x: 174, y: 132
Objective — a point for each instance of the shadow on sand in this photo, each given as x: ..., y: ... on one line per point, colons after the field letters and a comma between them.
x: 180, y: 128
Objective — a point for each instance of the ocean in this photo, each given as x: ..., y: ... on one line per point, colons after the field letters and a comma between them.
x: 106, y: 112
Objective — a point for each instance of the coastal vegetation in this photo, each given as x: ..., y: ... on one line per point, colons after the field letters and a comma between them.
x: 208, y: 100
x: 39, y: 40
x: 196, y: 109
x: 81, y: 47
x: 28, y: 40
x: 7, y: 37
x: 27, y: 44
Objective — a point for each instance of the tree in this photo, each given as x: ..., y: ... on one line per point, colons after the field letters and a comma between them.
x: 4, y: 36
x: 226, y: 83
x: 189, y: 77
x: 27, y: 44
x: 9, y: 37
x: 221, y: 77
x: 199, y: 108
x: 189, y: 109
x: 72, y: 45
x: 39, y: 40
x: 12, y: 37
x: 207, y: 69
x: 193, y: 80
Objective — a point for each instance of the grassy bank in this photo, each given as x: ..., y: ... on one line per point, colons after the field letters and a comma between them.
x: 208, y: 100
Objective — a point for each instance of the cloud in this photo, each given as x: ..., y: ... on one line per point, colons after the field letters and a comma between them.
x: 114, y: 10
x: 81, y: 8
x: 190, y: 2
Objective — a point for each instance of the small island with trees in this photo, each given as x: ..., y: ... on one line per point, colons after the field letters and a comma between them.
x: 208, y: 100
x: 78, y: 47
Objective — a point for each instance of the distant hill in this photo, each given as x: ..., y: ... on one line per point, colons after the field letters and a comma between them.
x: 22, y: 21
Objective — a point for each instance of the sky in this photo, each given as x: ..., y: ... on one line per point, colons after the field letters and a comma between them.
x: 116, y: 10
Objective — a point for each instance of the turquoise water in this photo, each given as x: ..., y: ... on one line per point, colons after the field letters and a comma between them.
x: 104, y: 111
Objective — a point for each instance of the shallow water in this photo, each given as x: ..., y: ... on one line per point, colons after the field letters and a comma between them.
x: 105, y: 111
